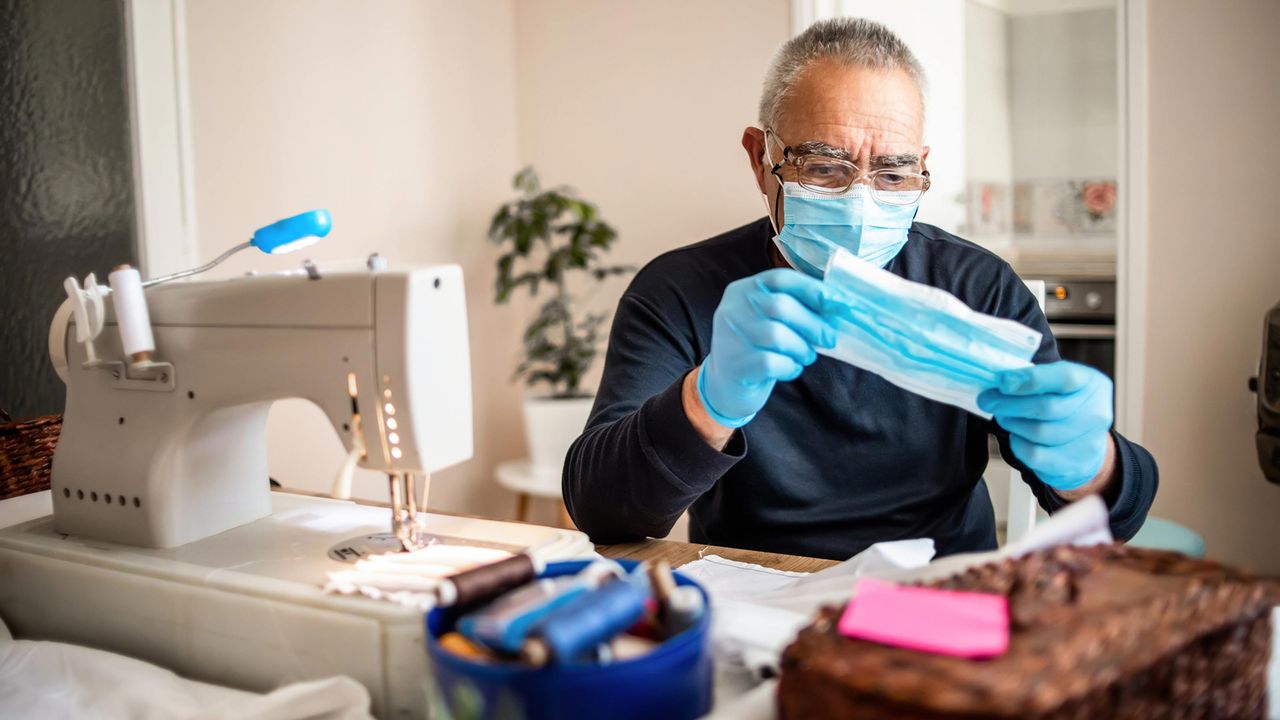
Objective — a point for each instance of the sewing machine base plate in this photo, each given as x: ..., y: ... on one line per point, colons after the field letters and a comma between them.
x: 243, y: 608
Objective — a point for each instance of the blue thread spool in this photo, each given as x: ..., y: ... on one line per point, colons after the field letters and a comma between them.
x: 575, y: 629
x: 674, y: 680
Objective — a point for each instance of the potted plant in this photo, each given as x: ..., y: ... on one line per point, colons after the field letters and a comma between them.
x: 549, y: 236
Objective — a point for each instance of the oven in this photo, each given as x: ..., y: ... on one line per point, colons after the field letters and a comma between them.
x: 1082, y: 316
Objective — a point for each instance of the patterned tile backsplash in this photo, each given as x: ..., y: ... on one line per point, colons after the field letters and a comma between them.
x: 1048, y: 208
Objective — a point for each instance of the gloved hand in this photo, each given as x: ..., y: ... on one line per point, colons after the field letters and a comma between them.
x: 1058, y: 416
x: 764, y: 330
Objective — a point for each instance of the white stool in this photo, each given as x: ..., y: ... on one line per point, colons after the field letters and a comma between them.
x: 520, y: 477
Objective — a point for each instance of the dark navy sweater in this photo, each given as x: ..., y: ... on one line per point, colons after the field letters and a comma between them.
x: 836, y: 460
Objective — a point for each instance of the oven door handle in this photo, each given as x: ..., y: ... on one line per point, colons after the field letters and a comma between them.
x: 1078, y: 331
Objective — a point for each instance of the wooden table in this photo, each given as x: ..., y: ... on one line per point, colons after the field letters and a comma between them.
x: 679, y: 553
x: 676, y: 553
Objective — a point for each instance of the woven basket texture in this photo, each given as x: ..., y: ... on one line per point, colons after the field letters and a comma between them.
x: 26, y: 453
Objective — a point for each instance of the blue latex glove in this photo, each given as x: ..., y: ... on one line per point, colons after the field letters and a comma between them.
x: 764, y: 331
x: 1058, y: 416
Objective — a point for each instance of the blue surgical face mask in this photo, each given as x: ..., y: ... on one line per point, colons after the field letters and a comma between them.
x: 816, y: 222
x: 920, y: 337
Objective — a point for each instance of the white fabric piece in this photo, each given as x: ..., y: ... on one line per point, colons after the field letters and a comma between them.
x: 756, y: 610
x: 758, y: 703
x: 1273, y: 670
x: 410, y: 578
x: 1084, y: 522
x: 52, y: 680
x: 724, y: 578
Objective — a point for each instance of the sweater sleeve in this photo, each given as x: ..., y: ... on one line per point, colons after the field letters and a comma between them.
x: 640, y: 462
x: 1133, y: 486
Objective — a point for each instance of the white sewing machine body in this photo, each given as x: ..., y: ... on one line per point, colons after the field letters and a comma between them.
x: 166, y: 542
x: 180, y: 455
x: 244, y: 608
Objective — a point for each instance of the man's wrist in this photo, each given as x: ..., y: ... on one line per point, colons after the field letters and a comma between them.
x: 715, y: 434
x: 1101, y: 483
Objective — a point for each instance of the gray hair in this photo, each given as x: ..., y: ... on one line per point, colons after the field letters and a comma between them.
x: 851, y: 41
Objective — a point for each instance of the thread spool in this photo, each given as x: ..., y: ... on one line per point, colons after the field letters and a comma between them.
x: 506, y: 623
x: 684, y: 605
x: 132, y: 318
x: 629, y: 647
x: 458, y: 645
x: 588, y: 621
x: 487, y: 581
x: 661, y: 579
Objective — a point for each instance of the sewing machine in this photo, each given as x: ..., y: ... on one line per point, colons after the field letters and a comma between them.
x: 166, y: 542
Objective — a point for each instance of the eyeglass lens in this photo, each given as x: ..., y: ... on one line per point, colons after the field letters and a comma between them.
x: 824, y: 174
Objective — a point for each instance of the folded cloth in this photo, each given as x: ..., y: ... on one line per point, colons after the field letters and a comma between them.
x: 410, y: 578
x: 757, y: 611
x: 42, y: 679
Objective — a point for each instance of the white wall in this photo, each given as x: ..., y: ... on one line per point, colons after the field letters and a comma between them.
x: 988, y: 123
x: 400, y: 118
x: 987, y: 104
x: 1214, y: 267
x: 1063, y: 83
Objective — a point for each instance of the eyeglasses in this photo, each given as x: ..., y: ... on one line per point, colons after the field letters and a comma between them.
x: 833, y: 176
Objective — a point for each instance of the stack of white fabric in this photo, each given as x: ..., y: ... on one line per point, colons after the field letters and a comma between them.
x: 410, y: 578
x: 40, y: 679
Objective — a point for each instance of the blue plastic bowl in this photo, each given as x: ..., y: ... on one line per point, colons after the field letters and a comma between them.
x: 673, y: 681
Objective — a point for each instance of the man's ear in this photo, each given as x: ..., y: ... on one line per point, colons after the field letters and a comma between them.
x: 924, y: 155
x: 753, y: 142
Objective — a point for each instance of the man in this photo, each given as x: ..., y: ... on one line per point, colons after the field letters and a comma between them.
x: 715, y: 400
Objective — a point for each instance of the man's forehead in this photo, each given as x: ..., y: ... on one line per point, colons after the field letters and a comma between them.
x: 862, y: 110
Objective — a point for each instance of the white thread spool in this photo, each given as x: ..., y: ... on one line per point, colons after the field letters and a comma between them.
x: 132, y: 318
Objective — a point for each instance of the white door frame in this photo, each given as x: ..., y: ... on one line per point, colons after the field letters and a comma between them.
x: 1131, y: 240
x: 160, y: 118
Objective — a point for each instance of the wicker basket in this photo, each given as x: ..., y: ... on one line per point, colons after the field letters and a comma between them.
x: 26, y: 453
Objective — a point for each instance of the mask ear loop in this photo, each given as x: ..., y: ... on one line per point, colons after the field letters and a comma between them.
x: 777, y: 200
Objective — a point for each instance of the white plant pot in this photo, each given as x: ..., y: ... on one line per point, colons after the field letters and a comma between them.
x: 551, y: 425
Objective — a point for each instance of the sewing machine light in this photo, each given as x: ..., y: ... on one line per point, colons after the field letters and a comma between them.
x: 292, y: 233
x: 282, y: 236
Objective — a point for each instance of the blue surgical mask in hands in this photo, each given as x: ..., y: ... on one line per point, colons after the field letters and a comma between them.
x: 918, y: 337
x: 814, y: 224
x: 1058, y: 416
x: 765, y: 330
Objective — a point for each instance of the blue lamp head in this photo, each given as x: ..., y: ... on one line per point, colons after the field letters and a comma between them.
x: 293, y: 233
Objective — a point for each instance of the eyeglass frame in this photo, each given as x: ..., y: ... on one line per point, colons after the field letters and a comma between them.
x: 790, y: 157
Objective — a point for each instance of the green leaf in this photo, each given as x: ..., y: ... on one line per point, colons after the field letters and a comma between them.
x: 526, y: 181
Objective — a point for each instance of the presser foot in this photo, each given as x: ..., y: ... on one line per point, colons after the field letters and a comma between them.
x: 405, y: 524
